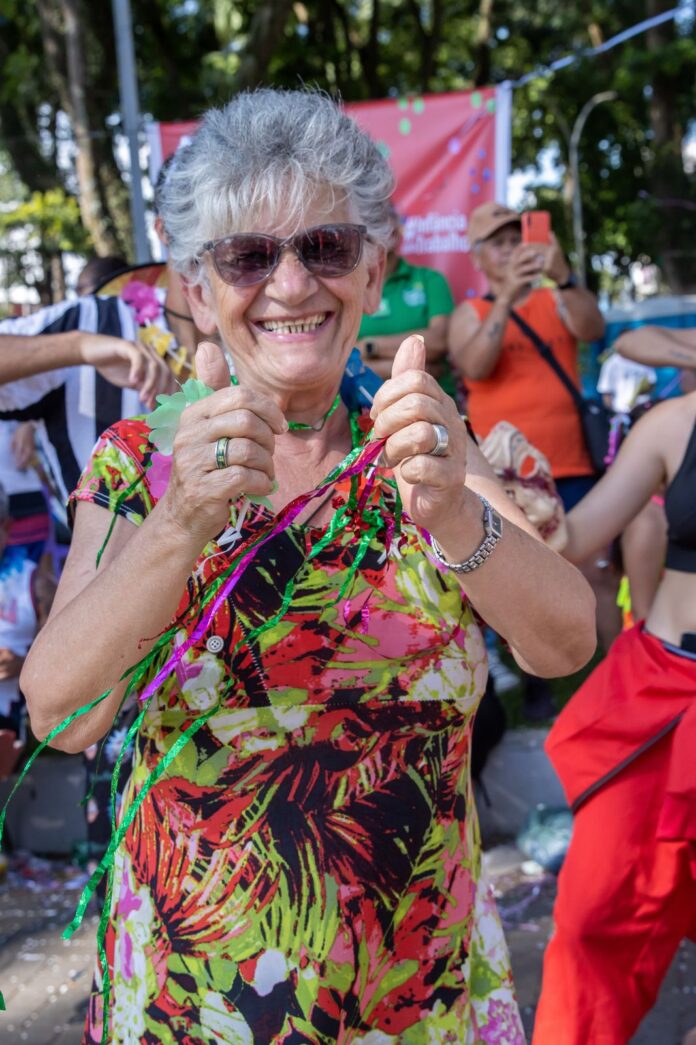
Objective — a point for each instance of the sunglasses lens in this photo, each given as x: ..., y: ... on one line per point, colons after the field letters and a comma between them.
x: 331, y: 250
x: 242, y: 260
x: 247, y: 258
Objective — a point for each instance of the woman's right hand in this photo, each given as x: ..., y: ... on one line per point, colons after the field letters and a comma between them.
x: 199, y: 494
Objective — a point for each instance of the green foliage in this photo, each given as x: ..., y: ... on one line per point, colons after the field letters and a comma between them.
x: 51, y: 220
x: 195, y: 53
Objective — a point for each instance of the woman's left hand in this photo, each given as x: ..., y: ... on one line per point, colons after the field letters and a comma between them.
x: 405, y: 410
x: 556, y: 266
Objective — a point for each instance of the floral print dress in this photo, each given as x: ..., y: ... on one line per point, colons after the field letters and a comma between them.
x: 307, y: 870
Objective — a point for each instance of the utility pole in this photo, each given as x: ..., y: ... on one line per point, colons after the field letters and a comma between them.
x: 128, y: 90
x: 574, y: 160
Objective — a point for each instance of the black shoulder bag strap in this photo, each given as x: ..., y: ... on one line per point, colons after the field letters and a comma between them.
x: 546, y: 353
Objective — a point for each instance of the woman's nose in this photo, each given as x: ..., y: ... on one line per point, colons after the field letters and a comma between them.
x: 291, y: 280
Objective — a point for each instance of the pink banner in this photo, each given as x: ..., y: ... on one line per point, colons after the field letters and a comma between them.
x: 449, y: 152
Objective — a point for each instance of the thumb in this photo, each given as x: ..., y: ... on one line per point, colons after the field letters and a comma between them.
x: 211, y: 366
x: 410, y: 355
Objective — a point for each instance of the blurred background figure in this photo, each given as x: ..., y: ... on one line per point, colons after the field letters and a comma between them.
x: 507, y: 379
x: 25, y: 599
x: 67, y: 372
x: 97, y: 271
x: 415, y: 300
x: 628, y: 390
x: 624, y: 750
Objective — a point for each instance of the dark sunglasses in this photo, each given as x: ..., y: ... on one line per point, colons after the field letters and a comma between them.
x: 245, y: 258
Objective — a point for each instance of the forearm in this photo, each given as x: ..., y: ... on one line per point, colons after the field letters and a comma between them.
x: 537, y: 601
x: 104, y: 630
x: 477, y: 356
x: 659, y: 346
x: 23, y: 356
x: 581, y: 314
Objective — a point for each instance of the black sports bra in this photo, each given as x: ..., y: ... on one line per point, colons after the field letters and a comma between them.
x: 680, y: 507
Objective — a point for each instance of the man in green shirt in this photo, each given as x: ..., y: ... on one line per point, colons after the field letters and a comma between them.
x: 415, y: 300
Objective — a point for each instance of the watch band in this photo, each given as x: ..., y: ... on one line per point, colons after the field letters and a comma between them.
x: 571, y: 282
x: 493, y: 531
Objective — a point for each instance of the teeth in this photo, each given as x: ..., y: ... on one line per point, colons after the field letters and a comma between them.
x: 303, y: 327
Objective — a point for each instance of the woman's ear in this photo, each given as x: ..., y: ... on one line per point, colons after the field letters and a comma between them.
x: 376, y: 261
x: 199, y: 299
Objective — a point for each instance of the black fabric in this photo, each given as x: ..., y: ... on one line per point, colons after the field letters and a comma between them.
x: 70, y: 444
x: 52, y: 409
x: 595, y: 419
x: 680, y: 509
x: 25, y: 504
x: 490, y: 724
x: 108, y: 408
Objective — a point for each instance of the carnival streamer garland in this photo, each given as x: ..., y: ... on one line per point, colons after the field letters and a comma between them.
x: 367, y: 521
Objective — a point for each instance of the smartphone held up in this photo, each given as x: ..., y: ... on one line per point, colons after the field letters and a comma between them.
x: 536, y: 226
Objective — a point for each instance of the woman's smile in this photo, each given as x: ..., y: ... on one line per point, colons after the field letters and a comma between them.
x: 294, y: 328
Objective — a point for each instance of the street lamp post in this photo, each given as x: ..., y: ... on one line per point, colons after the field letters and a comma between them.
x: 128, y: 88
x: 574, y: 160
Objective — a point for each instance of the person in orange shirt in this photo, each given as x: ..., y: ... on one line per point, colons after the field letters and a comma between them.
x: 506, y: 377
x: 508, y: 380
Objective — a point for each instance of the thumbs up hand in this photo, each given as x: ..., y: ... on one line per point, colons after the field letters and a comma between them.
x: 211, y: 366
x: 222, y: 450
x: 418, y: 418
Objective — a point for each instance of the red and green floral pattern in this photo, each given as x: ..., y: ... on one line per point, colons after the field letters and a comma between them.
x: 308, y: 869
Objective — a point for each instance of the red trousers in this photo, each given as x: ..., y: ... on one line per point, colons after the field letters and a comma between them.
x: 625, y: 901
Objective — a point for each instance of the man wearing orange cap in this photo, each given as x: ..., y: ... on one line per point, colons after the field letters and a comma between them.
x: 506, y: 377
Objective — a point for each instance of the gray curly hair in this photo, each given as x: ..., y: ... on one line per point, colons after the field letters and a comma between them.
x: 270, y: 151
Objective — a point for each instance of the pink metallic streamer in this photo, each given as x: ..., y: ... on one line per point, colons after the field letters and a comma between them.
x: 365, y: 616
x: 369, y: 453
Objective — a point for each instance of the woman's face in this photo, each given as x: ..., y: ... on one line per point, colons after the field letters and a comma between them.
x: 255, y: 322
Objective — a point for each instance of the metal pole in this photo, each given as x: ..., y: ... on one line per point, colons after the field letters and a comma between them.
x: 573, y: 158
x: 128, y: 89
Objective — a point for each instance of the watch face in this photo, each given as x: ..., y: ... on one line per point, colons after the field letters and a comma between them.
x: 496, y: 525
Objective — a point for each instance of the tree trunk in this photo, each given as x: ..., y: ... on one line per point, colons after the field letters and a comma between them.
x: 57, y: 277
x: 428, y: 41
x: 91, y: 209
x: 484, y: 29
x: 42, y: 279
x: 265, y: 33
x: 21, y: 141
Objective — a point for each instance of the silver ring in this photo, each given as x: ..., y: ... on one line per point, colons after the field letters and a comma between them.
x: 221, y: 452
x: 441, y: 441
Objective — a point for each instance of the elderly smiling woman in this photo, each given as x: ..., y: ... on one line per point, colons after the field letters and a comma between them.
x: 305, y: 867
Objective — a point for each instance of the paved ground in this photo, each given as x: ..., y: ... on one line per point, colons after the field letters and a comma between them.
x: 45, y: 980
x: 525, y: 905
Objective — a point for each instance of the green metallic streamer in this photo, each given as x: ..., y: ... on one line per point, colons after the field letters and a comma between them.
x: 138, y: 671
x: 122, y: 497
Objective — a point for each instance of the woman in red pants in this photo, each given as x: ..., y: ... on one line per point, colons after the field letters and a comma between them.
x: 624, y: 750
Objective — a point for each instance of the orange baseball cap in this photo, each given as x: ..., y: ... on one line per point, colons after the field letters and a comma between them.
x: 488, y: 218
